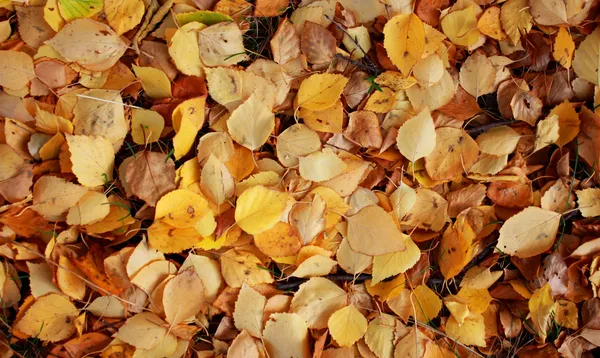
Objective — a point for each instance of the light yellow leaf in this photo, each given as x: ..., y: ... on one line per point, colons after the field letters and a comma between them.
x: 588, y: 202
x: 429, y: 70
x: 360, y: 35
x: 249, y: 309
x: 177, y: 309
x: 183, y: 208
x: 321, y: 91
x: 403, y: 199
x: 308, y: 219
x: 529, y: 233
x: 151, y: 275
x: 479, y: 277
x: 547, y: 132
x: 430, y: 211
x: 380, y: 335
x: 73, y: 9
x: 92, y: 159
x: 434, y: 96
x: 216, y: 181
x: 16, y: 69
x: 516, y: 19
x: 10, y: 162
x: 169, y: 239
x: 296, y: 141
x: 106, y: 306
x: 568, y: 122
x: 347, y: 326
x: 155, y: 82
x: 238, y: 267
x: 285, y: 335
x: 146, y: 126
x: 101, y: 112
x: 461, y: 26
x: 404, y: 41
x: 50, y: 318
x: 184, y: 49
x: 490, y: 25
x: 68, y: 279
x: 143, y: 331
x: 251, y: 123
x: 372, y: 231
x: 317, y: 265
x: 316, y: 300
x: 266, y: 179
x: 221, y: 44
x: 566, y: 314
x: 53, y: 196
x: 350, y: 260
x: 321, y: 166
x: 470, y: 332
x: 388, y: 290
x: 416, y: 138
x: 258, y: 209
x: 329, y: 120
x: 391, y: 264
x: 50, y: 123
x: 208, y: 270
x: 93, y: 45
x: 218, y: 144
x: 477, y: 75
x: 564, y: 46
x: 498, y: 141
x: 549, y: 12
x: 91, y: 208
x: 40, y: 276
x: 52, y: 15
x: 225, y: 86
x: 123, y: 15
x: 541, y: 307
x: 454, y: 153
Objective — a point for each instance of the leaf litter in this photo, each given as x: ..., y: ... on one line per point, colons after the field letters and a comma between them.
x: 275, y: 178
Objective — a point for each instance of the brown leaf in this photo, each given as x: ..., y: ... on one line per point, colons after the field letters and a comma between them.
x: 429, y: 10
x: 269, y: 8
x: 19, y: 186
x: 150, y: 175
x: 285, y: 43
x: 467, y: 197
x: 34, y: 30
x: 510, y: 194
x: 26, y: 222
x: 363, y: 129
x: 317, y: 44
x: 462, y: 106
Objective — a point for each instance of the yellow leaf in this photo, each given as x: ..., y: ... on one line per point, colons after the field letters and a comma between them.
x: 74, y: 9
x: 372, y: 231
x: 316, y: 300
x: 266, y: 178
x: 146, y: 126
x: 118, y: 217
x: 240, y: 267
x: 426, y: 303
x: 169, y: 239
x: 347, y: 326
x: 588, y: 202
x: 225, y: 86
x: 357, y: 35
x: 92, y: 158
x: 454, y: 153
x: 516, y: 19
x: 50, y: 318
x: 403, y: 199
x: 183, y: 208
x: 5, y: 30
x: 490, y: 25
x: 471, y: 332
x: 280, y: 240
x: 404, y: 41
x: 208, y: 270
x: 563, y: 48
x: 417, y: 136
x: 547, y: 132
x: 123, y: 15
x: 335, y: 204
x: 16, y: 69
x: 251, y: 124
x: 430, y: 211
x: 541, y: 307
x: 387, y: 290
x: 51, y: 149
x: 50, y: 123
x: 184, y: 49
x: 458, y: 307
x: 177, y: 309
x: 259, y: 209
x: 529, y: 233
x: 68, y: 279
x: 478, y: 299
x: 10, y: 162
x: 155, y: 82
x: 222, y: 45
x: 432, y: 97
x: 216, y: 182
x: 285, y: 335
x: 394, y: 263
x: 479, y: 277
x: 549, y: 12
x: 395, y: 80
x: 586, y: 61
x: 461, y: 26
x: 329, y: 120
x: 321, y: 91
x: 566, y: 314
x: 143, y: 331
x: 568, y: 122
x: 91, y: 208
x: 350, y: 260
x: 381, y: 101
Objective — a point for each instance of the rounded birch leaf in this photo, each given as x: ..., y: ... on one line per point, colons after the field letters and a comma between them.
x: 50, y: 318
x: 529, y: 233
x: 347, y: 326
x: 417, y: 136
x: 373, y: 232
x: 177, y: 307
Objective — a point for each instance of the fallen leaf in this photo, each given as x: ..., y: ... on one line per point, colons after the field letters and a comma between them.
x: 529, y: 233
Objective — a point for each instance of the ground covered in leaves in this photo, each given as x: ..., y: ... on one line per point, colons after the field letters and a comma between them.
x: 274, y: 178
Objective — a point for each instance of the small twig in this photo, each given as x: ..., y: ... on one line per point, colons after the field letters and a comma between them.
x: 357, y: 63
x: 480, y: 129
x: 293, y: 283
